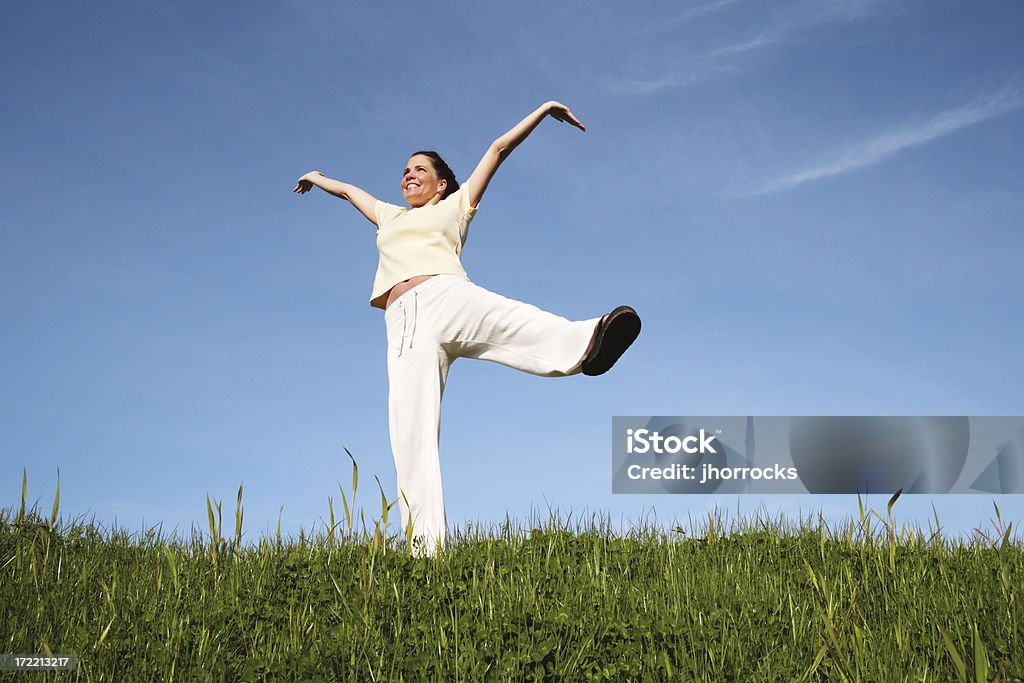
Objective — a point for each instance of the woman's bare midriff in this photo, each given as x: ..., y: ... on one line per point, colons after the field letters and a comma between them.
x: 403, y: 287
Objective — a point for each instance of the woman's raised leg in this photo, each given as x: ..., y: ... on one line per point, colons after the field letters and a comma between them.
x: 492, y: 327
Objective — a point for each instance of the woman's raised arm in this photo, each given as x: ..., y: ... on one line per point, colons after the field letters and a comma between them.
x: 361, y: 199
x: 504, y: 145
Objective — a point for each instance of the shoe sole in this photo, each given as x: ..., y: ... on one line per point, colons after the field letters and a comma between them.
x: 619, y: 330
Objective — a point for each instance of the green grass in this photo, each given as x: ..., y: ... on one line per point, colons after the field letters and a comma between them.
x: 752, y: 600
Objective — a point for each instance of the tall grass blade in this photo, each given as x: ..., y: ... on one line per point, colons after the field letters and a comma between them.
x: 383, y: 503
x: 892, y: 501
x: 814, y: 665
x: 24, y: 493
x: 980, y: 658
x: 355, y: 477
x: 103, y: 636
x: 56, y: 502
x: 938, y: 524
x: 865, y: 522
x: 666, y: 664
x: 214, y: 536
x: 35, y: 569
x: 958, y: 661
x: 209, y: 514
x: 239, y: 514
x: 330, y: 508
x: 348, y: 511
x: 408, y: 524
x: 173, y: 565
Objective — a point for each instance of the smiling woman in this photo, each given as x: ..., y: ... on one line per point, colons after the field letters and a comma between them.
x: 435, y: 314
x: 418, y: 173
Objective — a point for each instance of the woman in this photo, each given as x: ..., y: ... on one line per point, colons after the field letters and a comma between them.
x: 435, y: 314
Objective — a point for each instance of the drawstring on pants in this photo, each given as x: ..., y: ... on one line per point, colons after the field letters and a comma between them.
x: 415, y: 317
x: 415, y: 310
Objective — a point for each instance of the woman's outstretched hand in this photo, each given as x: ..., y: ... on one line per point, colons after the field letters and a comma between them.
x: 560, y: 112
x: 305, y: 184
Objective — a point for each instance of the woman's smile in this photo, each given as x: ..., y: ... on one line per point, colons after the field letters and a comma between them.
x: 420, y: 183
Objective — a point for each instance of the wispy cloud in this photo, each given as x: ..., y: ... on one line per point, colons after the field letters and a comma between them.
x: 677, y: 21
x: 795, y: 19
x: 682, y: 78
x: 890, y: 142
x: 763, y: 39
x: 800, y: 19
x: 692, y: 13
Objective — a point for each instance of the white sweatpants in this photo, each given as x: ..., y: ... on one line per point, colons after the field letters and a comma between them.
x: 428, y: 327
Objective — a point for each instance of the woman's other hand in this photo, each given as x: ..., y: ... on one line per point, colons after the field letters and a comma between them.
x: 305, y: 183
x: 560, y: 112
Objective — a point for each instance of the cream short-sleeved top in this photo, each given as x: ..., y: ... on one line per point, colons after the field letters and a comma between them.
x: 427, y: 240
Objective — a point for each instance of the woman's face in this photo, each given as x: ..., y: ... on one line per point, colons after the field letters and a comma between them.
x: 420, y: 184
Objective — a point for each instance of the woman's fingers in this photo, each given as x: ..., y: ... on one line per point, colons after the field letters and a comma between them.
x: 563, y: 114
x: 304, y: 184
x: 576, y: 122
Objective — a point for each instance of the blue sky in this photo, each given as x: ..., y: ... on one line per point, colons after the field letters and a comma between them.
x: 814, y: 206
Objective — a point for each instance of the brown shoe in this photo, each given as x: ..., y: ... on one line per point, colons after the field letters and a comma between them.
x: 613, y: 335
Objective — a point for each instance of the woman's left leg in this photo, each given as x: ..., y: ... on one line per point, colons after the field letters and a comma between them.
x: 417, y: 371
